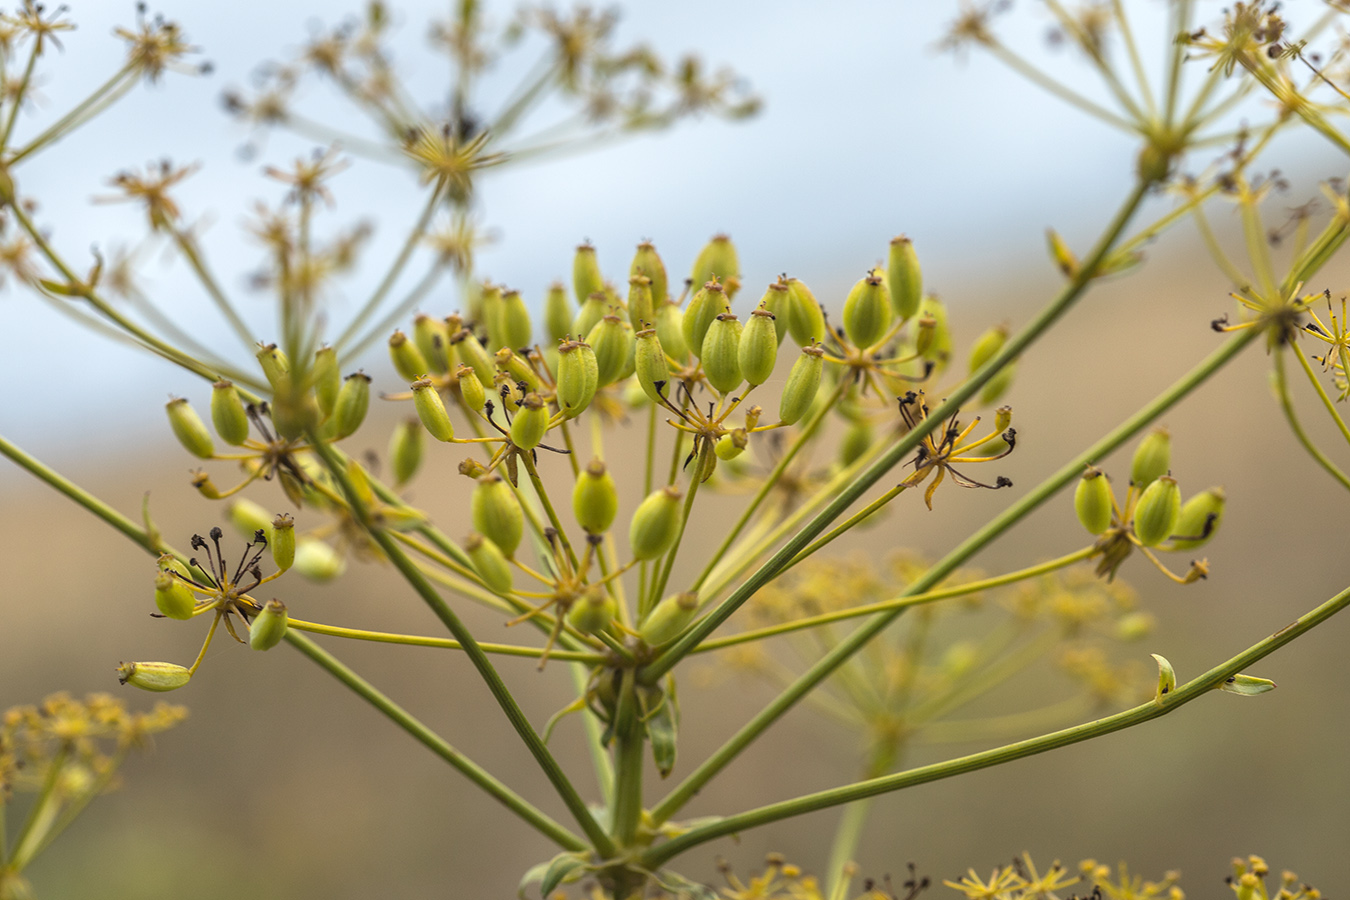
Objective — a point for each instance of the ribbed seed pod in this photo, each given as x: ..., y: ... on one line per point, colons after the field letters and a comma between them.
x: 718, y: 260
x: 531, y: 422
x: 516, y: 330
x: 595, y: 500
x: 708, y: 302
x: 758, y: 349
x: 651, y: 367
x: 472, y: 353
x: 721, y: 353
x: 856, y: 441
x: 803, y: 384
x: 558, y: 312
x: 274, y: 364
x: 227, y: 413
x: 1092, y: 501
x: 407, y: 359
x: 267, y: 630
x: 189, y: 428
x: 352, y: 403
x: 732, y: 444
x: 497, y: 514
x: 903, y: 278
x: 939, y: 349
x: 593, y: 309
x: 807, y: 320
x: 986, y: 345
x: 153, y: 676
x: 578, y: 377
x: 471, y: 390
x: 1152, y: 458
x: 173, y: 598
x: 489, y: 562
x: 655, y: 523
x: 513, y: 364
x: 775, y: 300
x: 317, y: 561
x: 327, y: 379
x: 641, y: 308
x: 586, y: 277
x: 405, y: 450
x: 610, y: 340
x: 294, y: 411
x: 867, y: 312
x: 432, y: 340
x: 1158, y: 511
x: 248, y: 518
x: 670, y: 329
x: 490, y: 315
x: 668, y: 618
x: 646, y: 261
x: 431, y: 410
x: 593, y: 612
x: 281, y: 541
x: 1199, y: 520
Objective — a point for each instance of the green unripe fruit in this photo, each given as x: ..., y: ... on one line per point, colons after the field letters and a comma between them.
x: 352, y: 404
x: 531, y: 422
x: 173, y: 598
x: 405, y: 450
x: 227, y: 413
x: 189, y: 428
x: 647, y: 262
x: 489, y: 562
x: 248, y: 518
x: 1092, y: 501
x: 327, y: 379
x: 514, y: 365
x: 497, y: 514
x: 317, y: 561
x: 586, y: 277
x: 867, y: 312
x: 986, y: 345
x: 431, y: 410
x: 558, y: 313
x: 1152, y: 458
x: 1200, y: 518
x: 708, y: 302
x: 651, y: 367
x: 758, y: 349
x: 472, y: 353
x: 996, y: 387
x: 721, y: 353
x: 610, y: 339
x: 593, y: 612
x: 670, y: 329
x: 282, y: 542
x: 803, y: 384
x: 903, y: 278
x: 274, y: 364
x: 641, y: 307
x: 593, y: 309
x: 655, y: 523
x: 408, y: 361
x: 807, y: 319
x: 294, y: 412
x: 776, y: 301
x: 595, y: 499
x: 490, y: 315
x: 516, y: 331
x: 717, y: 260
x: 732, y: 444
x: 269, y: 627
x: 153, y: 676
x: 669, y: 617
x: 578, y: 377
x: 432, y: 338
x: 939, y: 348
x: 857, y: 440
x: 471, y: 390
x: 1158, y: 512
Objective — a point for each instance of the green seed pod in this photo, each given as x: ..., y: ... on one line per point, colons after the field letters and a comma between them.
x: 1092, y: 501
x: 558, y: 312
x: 294, y: 412
x: 153, y: 676
x: 497, y: 514
x: 405, y: 449
x: 1199, y: 520
x: 471, y: 390
x: 204, y: 485
x: 653, y: 371
x: 1152, y: 458
x: 641, y: 308
x: 431, y: 410
x: 610, y: 339
x: 227, y: 413
x: 472, y: 468
x: 490, y: 315
x: 267, y: 630
x: 709, y: 302
x: 732, y: 444
x: 721, y: 353
x: 408, y: 361
x: 317, y: 561
x: 514, y: 365
x: 586, y: 277
x: 717, y: 260
x: 173, y: 598
x: 248, y: 518
x: 758, y: 348
x: 807, y: 320
x: 670, y: 329
x: 282, y: 542
x: 903, y: 278
x: 996, y: 387
x: 987, y: 345
x: 352, y: 403
x: 578, y: 377
x: 327, y: 379
x: 655, y: 523
x: 776, y: 301
x: 595, y: 499
x: 472, y: 353
x: 515, y: 322
x: 189, y: 428
x: 939, y: 348
x: 1158, y: 511
x: 432, y: 338
x: 867, y: 312
x: 803, y: 384
x: 593, y: 309
x: 274, y: 365
x: 505, y: 387
x: 668, y: 618
x: 857, y: 440
x: 593, y: 612
x: 489, y: 562
x: 531, y: 422
x: 647, y: 262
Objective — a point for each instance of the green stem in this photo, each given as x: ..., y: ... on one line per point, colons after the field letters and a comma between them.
x: 40, y: 816
x: 1287, y: 404
x: 1039, y: 78
x: 417, y: 640
x: 1184, y: 694
x: 701, y: 470
x: 110, y: 90
x: 20, y: 94
x: 849, y: 834
x: 542, y: 493
x: 604, y: 768
x: 1322, y: 393
x: 628, y: 756
x: 852, y: 521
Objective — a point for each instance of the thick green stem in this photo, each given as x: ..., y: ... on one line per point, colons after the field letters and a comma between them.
x: 628, y: 757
